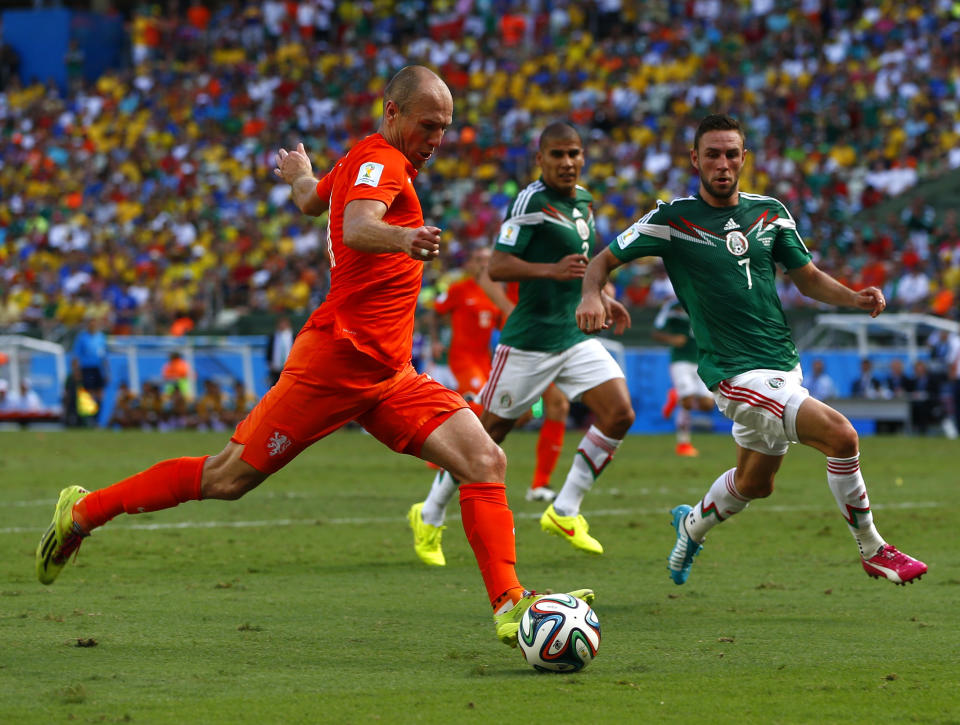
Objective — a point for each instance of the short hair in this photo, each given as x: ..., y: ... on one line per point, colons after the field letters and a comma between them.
x: 558, y: 131
x: 717, y: 122
x: 405, y: 85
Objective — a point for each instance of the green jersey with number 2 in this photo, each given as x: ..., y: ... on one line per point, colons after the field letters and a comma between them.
x: 543, y: 226
x: 722, y: 262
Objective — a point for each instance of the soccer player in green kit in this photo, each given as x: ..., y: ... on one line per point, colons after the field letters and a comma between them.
x: 672, y: 327
x: 544, y: 244
x: 720, y: 248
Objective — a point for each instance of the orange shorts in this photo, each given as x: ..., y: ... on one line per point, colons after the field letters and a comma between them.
x: 326, y: 383
x: 471, y: 372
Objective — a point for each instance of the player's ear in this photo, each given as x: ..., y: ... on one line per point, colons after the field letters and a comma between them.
x: 694, y: 159
x: 390, y: 109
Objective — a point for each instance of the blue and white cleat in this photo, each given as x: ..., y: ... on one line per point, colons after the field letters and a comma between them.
x: 681, y: 558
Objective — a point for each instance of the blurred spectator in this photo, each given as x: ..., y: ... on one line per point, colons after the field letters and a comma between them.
x: 26, y: 399
x: 176, y: 413
x: 819, y: 382
x: 897, y: 383
x: 913, y: 288
x: 151, y: 407
x: 90, y: 349
x: 867, y: 385
x: 210, y: 407
x: 4, y: 395
x: 242, y: 402
x: 126, y: 409
x: 278, y: 348
x: 661, y: 289
x: 926, y: 406
x: 177, y: 375
x: 71, y: 388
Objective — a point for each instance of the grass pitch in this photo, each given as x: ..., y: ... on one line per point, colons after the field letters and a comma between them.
x: 303, y: 602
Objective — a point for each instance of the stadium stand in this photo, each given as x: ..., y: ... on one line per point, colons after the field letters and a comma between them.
x: 144, y: 196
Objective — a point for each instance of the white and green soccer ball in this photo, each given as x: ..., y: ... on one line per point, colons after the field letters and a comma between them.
x: 559, y: 633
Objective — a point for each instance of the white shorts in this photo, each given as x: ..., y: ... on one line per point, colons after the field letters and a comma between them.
x: 686, y: 382
x: 519, y: 377
x: 763, y: 406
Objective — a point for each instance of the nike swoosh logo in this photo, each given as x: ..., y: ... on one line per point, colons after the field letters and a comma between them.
x: 568, y: 532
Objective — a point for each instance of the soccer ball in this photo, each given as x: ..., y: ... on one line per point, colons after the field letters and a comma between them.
x: 559, y: 633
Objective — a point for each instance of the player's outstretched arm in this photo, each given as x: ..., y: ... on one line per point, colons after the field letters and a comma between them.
x: 818, y: 285
x: 294, y: 168
x: 592, y: 314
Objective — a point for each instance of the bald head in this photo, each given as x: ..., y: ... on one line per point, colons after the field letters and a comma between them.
x: 411, y: 82
x: 417, y: 110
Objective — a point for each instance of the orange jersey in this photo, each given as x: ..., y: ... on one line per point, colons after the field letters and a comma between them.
x: 372, y: 297
x: 473, y: 318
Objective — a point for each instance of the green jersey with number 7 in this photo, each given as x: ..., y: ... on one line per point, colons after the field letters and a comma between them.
x: 722, y: 262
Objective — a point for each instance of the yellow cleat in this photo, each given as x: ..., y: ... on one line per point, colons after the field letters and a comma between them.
x: 426, y: 538
x: 572, y: 528
x: 62, y: 537
x: 508, y: 623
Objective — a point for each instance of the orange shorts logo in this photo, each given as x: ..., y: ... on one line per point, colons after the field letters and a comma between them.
x: 278, y: 443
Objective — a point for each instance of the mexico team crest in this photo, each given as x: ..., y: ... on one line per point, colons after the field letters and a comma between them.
x: 737, y: 243
x: 776, y: 383
x: 583, y: 229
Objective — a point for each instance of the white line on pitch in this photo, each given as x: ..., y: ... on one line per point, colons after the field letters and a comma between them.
x: 394, y: 520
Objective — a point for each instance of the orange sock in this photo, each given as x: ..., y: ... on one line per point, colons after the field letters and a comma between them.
x: 488, y: 524
x: 549, y: 446
x: 162, y: 486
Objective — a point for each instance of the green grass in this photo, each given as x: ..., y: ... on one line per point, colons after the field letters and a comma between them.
x: 303, y: 602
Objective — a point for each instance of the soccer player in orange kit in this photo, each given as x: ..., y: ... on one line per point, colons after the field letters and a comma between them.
x: 476, y: 306
x: 351, y: 360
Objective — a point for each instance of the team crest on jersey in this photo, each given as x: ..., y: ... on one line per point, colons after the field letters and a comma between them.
x: 278, y: 443
x: 737, y: 244
x: 583, y: 229
x: 369, y: 174
x: 506, y: 400
x: 776, y: 383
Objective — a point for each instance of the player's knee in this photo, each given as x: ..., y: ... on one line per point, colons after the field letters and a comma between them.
x: 618, y: 420
x: 487, y: 464
x: 844, y: 441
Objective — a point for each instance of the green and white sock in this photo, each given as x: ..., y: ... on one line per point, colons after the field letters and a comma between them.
x: 846, y: 483
x: 722, y: 501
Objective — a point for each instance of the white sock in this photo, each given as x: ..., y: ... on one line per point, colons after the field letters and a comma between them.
x: 683, y: 425
x: 441, y: 491
x: 846, y: 483
x: 593, y: 454
x: 722, y: 501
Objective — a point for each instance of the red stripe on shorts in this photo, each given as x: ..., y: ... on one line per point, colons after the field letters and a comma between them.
x: 499, y: 361
x: 752, y: 398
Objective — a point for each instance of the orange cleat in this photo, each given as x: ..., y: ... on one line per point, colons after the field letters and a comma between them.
x: 687, y: 450
x: 667, y: 410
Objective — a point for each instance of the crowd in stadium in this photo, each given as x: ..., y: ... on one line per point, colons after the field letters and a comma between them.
x: 146, y: 197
